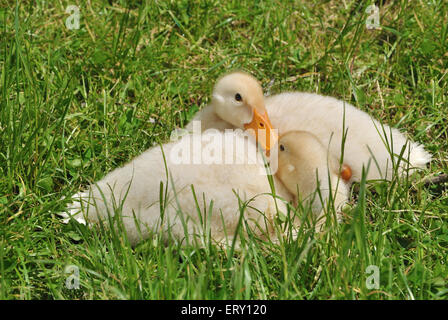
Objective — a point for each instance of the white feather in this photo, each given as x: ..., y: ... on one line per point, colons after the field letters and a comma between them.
x: 135, y: 188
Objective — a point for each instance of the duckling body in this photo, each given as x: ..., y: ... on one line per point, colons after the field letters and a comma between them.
x: 133, y: 191
x: 135, y: 188
x: 365, y: 140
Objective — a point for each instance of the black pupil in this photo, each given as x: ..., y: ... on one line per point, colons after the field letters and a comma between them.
x: 261, y: 124
x: 238, y: 97
x: 282, y: 148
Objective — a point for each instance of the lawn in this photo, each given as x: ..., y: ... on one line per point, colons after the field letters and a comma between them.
x: 76, y: 103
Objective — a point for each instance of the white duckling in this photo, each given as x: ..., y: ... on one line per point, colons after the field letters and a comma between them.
x: 206, y: 162
x: 236, y: 95
x: 237, y: 102
x: 309, y: 172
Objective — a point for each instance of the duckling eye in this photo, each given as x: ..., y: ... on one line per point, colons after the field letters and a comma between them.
x: 238, y: 97
x: 282, y: 147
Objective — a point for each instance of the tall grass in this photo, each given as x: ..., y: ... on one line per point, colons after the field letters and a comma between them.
x: 77, y: 103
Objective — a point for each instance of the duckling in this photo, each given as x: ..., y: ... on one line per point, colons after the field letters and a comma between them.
x: 367, y: 140
x: 309, y: 172
x: 205, y: 162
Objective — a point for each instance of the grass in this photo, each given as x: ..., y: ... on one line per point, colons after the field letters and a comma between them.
x: 74, y: 104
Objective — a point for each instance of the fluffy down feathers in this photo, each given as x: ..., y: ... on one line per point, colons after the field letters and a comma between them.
x: 366, y: 139
x: 135, y: 189
x: 310, y: 173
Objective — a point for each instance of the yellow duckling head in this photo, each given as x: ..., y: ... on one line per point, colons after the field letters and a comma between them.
x: 238, y: 99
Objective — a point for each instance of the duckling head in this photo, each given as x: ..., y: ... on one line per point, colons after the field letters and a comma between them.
x: 300, y: 153
x: 238, y: 99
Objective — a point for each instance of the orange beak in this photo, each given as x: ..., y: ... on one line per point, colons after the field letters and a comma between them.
x: 264, y: 132
x: 346, y: 172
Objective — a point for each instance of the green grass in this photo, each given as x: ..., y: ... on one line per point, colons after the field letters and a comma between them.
x: 74, y: 104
